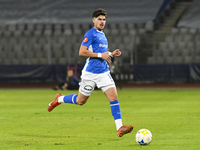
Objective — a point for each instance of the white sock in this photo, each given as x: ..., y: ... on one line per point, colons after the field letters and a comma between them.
x: 118, y: 123
x: 60, y: 99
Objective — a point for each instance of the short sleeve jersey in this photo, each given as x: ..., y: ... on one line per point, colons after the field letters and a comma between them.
x: 96, y: 42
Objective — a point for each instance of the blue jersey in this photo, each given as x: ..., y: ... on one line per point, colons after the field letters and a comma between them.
x: 96, y: 42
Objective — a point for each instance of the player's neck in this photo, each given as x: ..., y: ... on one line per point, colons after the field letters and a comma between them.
x: 98, y: 29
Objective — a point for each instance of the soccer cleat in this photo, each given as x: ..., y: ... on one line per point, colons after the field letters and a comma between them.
x: 123, y: 130
x: 54, y: 103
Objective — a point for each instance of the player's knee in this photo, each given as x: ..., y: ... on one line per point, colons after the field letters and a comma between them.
x: 113, y: 97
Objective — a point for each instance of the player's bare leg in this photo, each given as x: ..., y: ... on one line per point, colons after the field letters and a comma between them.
x: 111, y: 94
x: 81, y: 99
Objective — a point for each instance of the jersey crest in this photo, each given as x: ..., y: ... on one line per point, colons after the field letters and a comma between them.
x: 85, y: 40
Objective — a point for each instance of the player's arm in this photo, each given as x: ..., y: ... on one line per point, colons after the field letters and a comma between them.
x: 86, y: 53
x: 83, y: 51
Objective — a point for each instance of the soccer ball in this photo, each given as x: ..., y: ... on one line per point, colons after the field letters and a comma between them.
x: 143, y: 137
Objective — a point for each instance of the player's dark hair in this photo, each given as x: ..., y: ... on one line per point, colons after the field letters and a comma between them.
x: 99, y: 12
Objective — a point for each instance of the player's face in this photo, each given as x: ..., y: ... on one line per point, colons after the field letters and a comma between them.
x: 99, y: 22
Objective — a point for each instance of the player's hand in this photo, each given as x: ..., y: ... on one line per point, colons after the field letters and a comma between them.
x: 116, y: 53
x: 106, y: 57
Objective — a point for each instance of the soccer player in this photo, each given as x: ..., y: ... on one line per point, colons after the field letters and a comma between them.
x: 96, y: 72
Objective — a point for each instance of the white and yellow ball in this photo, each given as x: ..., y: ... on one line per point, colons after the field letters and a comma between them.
x: 143, y: 137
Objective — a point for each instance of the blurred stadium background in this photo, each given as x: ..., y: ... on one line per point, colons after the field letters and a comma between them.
x: 159, y: 39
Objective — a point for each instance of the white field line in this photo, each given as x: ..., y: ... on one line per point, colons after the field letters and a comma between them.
x: 179, y: 117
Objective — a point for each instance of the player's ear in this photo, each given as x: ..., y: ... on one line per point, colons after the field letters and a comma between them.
x: 93, y: 19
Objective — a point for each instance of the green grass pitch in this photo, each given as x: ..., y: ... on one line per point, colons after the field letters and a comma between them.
x: 172, y: 115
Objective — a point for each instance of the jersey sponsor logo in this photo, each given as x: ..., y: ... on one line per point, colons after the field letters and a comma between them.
x: 88, y: 88
x: 103, y: 45
x: 85, y: 40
